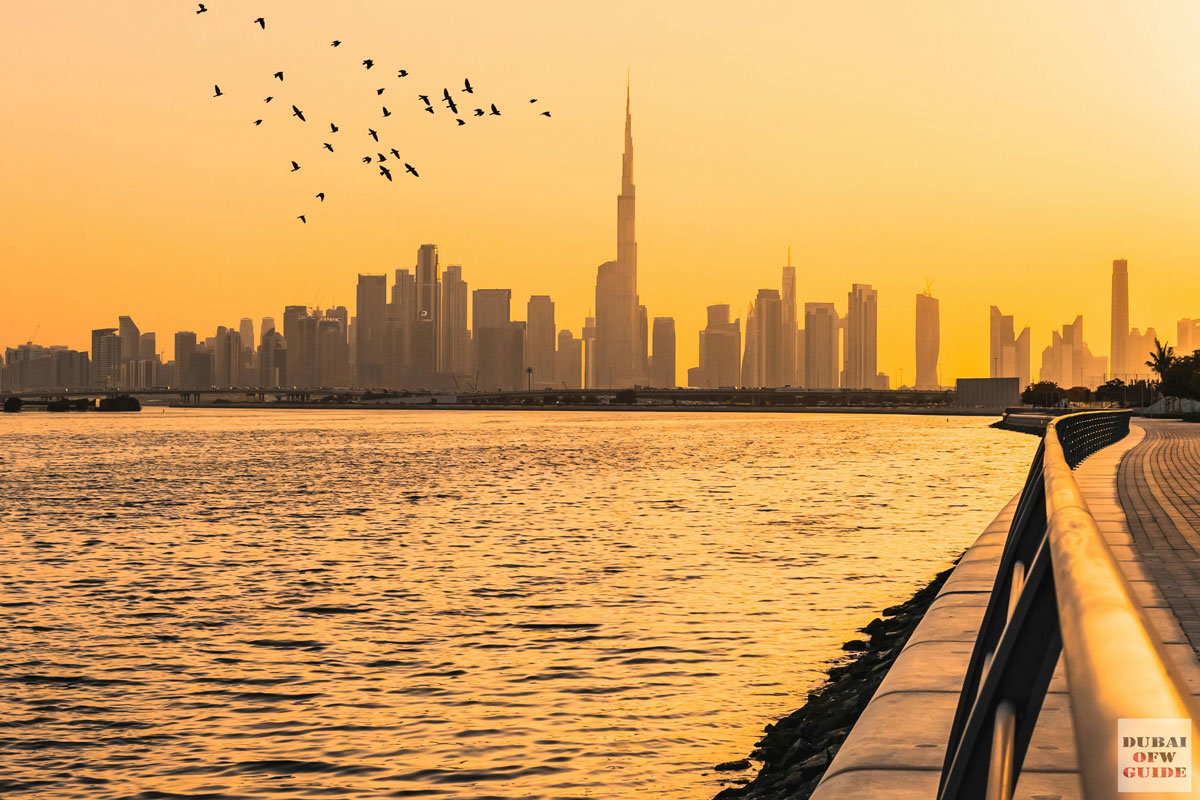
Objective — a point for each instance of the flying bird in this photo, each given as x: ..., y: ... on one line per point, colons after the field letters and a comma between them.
x: 467, y: 86
x: 479, y: 112
x: 545, y: 113
x: 495, y: 111
x: 218, y: 90
x: 460, y: 122
x: 298, y: 113
x: 366, y: 159
x: 385, y: 172
x: 258, y: 122
x: 386, y: 113
x: 329, y: 147
x: 269, y: 99
x: 295, y: 166
x: 278, y: 75
x: 202, y: 9
x: 449, y: 101
x: 402, y: 73
x: 395, y: 153
x: 368, y: 63
x: 424, y: 98
x: 533, y: 100
x: 333, y: 128
x: 379, y: 91
x: 321, y: 196
x: 302, y: 219
x: 409, y: 168
x: 379, y: 157
x: 374, y: 135
x: 260, y: 22
x: 334, y: 43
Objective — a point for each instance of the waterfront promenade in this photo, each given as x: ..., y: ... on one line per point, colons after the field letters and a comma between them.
x: 1144, y: 493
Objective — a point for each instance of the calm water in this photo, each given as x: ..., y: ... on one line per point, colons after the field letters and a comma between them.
x: 303, y: 603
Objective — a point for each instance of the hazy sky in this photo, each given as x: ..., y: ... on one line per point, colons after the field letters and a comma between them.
x: 1007, y: 151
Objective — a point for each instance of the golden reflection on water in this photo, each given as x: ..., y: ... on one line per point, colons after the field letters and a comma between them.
x: 306, y: 603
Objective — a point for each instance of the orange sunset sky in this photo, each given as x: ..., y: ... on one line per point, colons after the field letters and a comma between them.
x: 1007, y: 151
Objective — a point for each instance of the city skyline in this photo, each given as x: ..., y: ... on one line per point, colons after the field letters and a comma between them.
x: 180, y: 243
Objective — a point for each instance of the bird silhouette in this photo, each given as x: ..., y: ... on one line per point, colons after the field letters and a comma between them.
x: 385, y: 172
x: 366, y: 159
x: 545, y: 113
x: 260, y: 22
x: 479, y: 112
x: 218, y: 90
x: 395, y: 153
x: 409, y: 168
x: 402, y: 73
x: 386, y: 113
x: 333, y: 128
x: 202, y: 9
x: 379, y: 91
x: 424, y: 98
x: 278, y: 75
x: 321, y: 196
x: 258, y: 122
x: 379, y: 157
x: 295, y: 166
x: 368, y: 63
x: 430, y: 109
x: 329, y: 147
x: 449, y: 101
x: 334, y: 43
x: 495, y: 111
x: 298, y: 113
x: 374, y: 135
x: 467, y: 86
x: 269, y: 99
x: 460, y: 122
x: 302, y: 219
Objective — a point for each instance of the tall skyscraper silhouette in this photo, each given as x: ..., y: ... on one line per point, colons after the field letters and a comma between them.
x: 454, y: 352
x: 720, y: 351
x: 1118, y: 358
x: 398, y: 329
x: 789, y: 327
x: 425, y: 328
x: 1008, y: 355
x: 568, y: 361
x: 859, y: 354
x: 491, y: 327
x: 820, y: 346
x: 540, y: 340
x: 764, y: 341
x: 928, y: 342
x: 371, y: 316
x: 617, y: 362
x: 662, y: 359
x: 130, y: 339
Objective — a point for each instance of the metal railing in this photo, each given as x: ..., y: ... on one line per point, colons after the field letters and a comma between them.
x: 1059, y: 590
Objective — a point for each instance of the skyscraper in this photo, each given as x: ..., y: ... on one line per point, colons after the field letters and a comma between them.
x: 928, y: 341
x: 720, y: 349
x: 300, y: 336
x: 662, y: 359
x: 398, y: 329
x: 859, y: 356
x: 454, y: 350
x: 820, y: 346
x: 789, y: 327
x: 1005, y: 356
x: 540, y: 341
x: 185, y: 345
x: 568, y: 361
x: 130, y: 339
x: 1118, y: 358
x: 425, y: 327
x: 588, y: 335
x: 491, y: 328
x: 1187, y: 336
x: 616, y: 361
x: 371, y: 315
x: 106, y: 358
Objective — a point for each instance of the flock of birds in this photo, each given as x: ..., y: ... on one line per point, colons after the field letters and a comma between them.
x: 378, y: 158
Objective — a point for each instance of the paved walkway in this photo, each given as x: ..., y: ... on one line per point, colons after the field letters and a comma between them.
x: 896, y: 748
x: 1159, y: 489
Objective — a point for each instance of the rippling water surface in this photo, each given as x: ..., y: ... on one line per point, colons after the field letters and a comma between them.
x: 310, y: 603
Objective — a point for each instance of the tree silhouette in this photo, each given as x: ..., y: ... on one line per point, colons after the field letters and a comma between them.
x: 1161, y: 358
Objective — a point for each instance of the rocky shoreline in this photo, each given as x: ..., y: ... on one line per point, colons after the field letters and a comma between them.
x: 796, y: 750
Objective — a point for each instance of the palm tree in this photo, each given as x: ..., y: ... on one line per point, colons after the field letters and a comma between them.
x: 1161, y: 358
